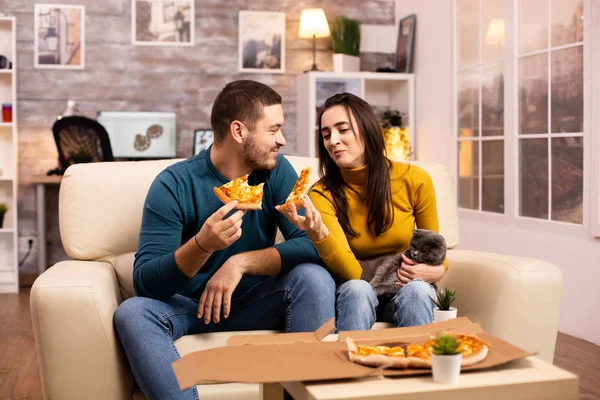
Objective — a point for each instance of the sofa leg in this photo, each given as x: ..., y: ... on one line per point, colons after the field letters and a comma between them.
x: 271, y: 391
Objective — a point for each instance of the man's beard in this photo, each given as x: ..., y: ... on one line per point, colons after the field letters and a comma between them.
x: 255, y: 158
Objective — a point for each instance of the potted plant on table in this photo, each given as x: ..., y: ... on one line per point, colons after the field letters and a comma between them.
x: 446, y: 359
x: 443, y: 301
x: 345, y: 35
x: 3, y: 210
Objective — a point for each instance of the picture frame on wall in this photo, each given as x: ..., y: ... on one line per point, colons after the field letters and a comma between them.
x: 405, y: 45
x: 261, y: 41
x: 203, y: 138
x: 162, y: 22
x: 59, y: 36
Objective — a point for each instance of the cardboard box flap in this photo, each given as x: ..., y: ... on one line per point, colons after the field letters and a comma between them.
x: 456, y: 325
x: 314, y: 360
x: 279, y: 338
x: 274, y: 363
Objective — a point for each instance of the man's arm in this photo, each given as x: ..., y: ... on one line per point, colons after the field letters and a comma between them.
x: 216, y: 234
x: 155, y: 271
x: 221, y: 285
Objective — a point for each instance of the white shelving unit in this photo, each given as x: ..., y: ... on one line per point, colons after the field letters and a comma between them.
x: 9, y: 269
x: 381, y: 90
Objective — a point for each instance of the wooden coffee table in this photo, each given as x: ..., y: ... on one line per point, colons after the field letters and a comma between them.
x: 529, y: 378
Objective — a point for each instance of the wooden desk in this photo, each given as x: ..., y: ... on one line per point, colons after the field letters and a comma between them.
x: 529, y: 378
x: 40, y: 182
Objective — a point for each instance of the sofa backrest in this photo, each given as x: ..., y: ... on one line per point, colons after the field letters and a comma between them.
x: 100, y: 206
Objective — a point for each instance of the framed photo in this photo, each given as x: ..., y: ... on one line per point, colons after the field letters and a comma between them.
x: 162, y: 22
x: 203, y: 138
x: 406, y: 40
x: 59, y: 36
x: 261, y: 41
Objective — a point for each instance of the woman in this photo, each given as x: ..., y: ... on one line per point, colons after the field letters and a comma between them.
x: 365, y: 206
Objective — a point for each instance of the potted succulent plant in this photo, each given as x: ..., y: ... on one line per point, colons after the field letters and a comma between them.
x: 446, y: 359
x: 3, y: 210
x: 443, y: 301
x: 345, y: 35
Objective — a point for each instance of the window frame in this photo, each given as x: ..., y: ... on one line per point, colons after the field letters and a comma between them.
x: 591, y: 193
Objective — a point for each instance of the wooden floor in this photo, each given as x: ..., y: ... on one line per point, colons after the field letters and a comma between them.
x: 20, y: 380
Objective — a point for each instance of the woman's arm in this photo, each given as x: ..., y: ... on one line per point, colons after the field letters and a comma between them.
x: 324, y: 229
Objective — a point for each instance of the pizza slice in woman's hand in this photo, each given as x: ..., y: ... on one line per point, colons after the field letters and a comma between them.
x: 248, y: 197
x: 297, y: 192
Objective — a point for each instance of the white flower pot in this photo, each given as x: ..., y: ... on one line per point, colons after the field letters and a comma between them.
x: 346, y: 63
x: 443, y: 315
x: 446, y: 369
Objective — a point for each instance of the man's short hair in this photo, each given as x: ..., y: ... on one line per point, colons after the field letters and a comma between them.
x: 244, y: 101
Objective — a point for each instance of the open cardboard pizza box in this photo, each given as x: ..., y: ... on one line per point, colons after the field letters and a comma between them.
x: 306, y: 357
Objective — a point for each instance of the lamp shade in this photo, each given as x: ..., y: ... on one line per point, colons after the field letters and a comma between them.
x: 495, y: 32
x: 313, y: 23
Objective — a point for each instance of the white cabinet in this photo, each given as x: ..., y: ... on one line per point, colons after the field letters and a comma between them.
x: 9, y: 270
x: 382, y: 91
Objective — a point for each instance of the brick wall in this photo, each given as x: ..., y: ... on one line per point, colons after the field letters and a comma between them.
x: 120, y: 76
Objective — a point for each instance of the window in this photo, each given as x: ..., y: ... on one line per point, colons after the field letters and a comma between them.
x: 480, y: 104
x: 550, y: 104
x: 544, y: 135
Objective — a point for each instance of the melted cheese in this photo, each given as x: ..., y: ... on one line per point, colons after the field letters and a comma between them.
x: 300, y: 186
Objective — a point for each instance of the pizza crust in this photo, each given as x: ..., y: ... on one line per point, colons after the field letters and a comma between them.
x: 221, y: 195
x: 476, y: 357
x: 416, y: 362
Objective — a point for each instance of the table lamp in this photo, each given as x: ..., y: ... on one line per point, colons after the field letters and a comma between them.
x: 313, y: 24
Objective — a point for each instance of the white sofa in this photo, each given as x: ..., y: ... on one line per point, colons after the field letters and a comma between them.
x: 73, y: 302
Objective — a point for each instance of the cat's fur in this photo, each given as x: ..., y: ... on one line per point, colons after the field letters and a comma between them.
x: 425, y: 247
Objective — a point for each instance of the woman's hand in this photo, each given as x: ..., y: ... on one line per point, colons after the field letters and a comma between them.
x: 311, y: 223
x: 410, y: 270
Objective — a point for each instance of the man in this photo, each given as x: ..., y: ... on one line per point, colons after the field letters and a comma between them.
x: 201, y: 266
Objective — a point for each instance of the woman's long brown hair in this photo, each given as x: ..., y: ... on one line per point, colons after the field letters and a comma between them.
x: 377, y: 194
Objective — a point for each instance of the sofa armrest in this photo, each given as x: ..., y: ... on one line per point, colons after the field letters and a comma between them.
x: 515, y: 298
x: 72, y: 306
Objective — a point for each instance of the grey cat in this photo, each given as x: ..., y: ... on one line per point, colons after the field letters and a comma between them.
x: 425, y: 247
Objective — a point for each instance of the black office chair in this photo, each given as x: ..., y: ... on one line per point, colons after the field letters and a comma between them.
x: 80, y: 139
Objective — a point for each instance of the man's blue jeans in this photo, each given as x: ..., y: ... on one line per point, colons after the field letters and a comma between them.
x: 357, y: 306
x: 299, y: 301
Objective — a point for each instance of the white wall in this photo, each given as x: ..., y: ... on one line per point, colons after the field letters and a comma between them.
x: 574, y: 251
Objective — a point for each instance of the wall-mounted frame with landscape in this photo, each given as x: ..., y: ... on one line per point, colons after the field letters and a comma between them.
x: 405, y: 45
x: 261, y: 41
x: 162, y: 22
x: 59, y: 36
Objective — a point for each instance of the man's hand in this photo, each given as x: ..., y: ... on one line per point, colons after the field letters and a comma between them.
x: 311, y: 223
x: 218, y: 233
x: 219, y: 289
x: 410, y: 270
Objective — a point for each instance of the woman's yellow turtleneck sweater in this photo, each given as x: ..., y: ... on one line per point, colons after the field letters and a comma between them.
x: 413, y: 199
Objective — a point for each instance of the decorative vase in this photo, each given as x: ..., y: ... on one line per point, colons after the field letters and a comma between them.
x: 446, y: 368
x: 443, y: 315
x: 345, y: 63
